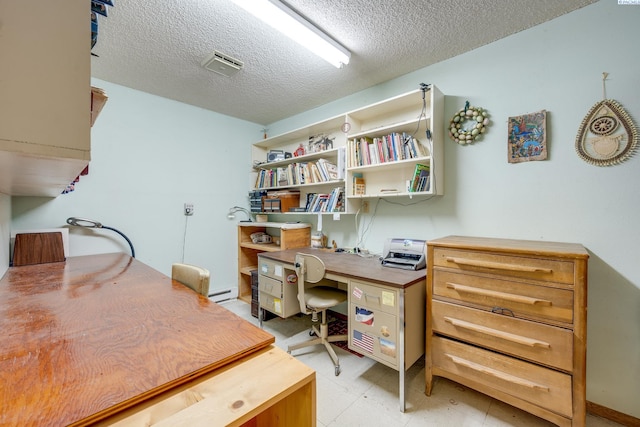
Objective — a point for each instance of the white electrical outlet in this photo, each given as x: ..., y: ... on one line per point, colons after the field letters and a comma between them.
x: 188, y: 209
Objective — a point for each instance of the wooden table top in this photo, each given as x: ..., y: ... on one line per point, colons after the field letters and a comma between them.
x: 90, y: 336
x: 354, y: 267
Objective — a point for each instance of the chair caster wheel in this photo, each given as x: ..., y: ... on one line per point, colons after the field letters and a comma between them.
x: 337, y: 370
x: 312, y: 334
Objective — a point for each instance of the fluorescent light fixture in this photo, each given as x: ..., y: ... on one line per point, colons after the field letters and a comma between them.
x: 287, y: 21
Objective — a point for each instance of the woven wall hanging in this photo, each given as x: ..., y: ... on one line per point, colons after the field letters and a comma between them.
x: 607, y: 135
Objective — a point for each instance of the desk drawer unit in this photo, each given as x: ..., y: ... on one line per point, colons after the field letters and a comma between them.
x: 508, y: 318
x: 276, y: 294
x: 380, y: 320
x: 373, y: 319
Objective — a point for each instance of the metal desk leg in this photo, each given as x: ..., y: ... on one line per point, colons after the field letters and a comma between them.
x: 260, y: 314
x: 401, y: 361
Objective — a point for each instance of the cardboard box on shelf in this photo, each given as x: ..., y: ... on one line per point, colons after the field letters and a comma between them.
x: 280, y: 201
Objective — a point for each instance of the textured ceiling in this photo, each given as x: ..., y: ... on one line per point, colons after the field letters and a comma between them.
x: 156, y: 46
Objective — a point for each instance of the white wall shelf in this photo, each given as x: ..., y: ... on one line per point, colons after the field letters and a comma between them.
x: 410, y: 115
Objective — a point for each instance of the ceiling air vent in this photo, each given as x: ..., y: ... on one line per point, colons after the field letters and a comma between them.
x: 222, y: 64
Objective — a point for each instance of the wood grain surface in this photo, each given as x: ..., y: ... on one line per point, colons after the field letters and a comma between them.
x: 38, y: 248
x: 87, y: 337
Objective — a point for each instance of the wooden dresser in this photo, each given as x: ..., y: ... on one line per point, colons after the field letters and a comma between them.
x: 508, y: 318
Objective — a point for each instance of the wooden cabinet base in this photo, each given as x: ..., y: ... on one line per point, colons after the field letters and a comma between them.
x: 268, y: 388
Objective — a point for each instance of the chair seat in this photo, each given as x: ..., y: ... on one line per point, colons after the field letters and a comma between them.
x: 323, y: 297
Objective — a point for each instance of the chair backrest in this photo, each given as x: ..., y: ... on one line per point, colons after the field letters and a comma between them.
x: 197, y: 278
x: 38, y: 248
x: 309, y: 268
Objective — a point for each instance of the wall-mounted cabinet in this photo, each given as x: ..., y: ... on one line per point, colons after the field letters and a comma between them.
x: 45, y: 98
x: 393, y: 148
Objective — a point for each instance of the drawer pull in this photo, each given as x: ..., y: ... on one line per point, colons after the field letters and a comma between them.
x: 497, y: 374
x: 498, y: 265
x: 518, y: 339
x: 373, y: 297
x: 520, y: 299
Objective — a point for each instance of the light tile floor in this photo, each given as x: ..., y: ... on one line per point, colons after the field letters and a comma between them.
x: 366, y: 392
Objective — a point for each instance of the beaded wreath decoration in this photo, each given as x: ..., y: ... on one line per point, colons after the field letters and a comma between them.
x: 468, y: 124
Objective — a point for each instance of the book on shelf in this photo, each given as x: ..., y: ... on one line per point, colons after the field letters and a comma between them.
x: 327, y: 169
x: 314, y: 174
x: 359, y: 188
x: 414, y: 148
x: 301, y: 173
x: 342, y: 162
x: 393, y: 147
x: 283, y: 176
x: 326, y: 202
x: 421, y: 178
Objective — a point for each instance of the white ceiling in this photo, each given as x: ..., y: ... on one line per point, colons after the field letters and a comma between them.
x: 156, y: 46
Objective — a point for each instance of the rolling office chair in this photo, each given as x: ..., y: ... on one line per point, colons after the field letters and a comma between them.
x: 317, y: 299
x: 196, y: 278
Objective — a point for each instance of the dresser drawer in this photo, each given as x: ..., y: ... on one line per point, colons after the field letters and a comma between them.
x: 523, y: 300
x: 535, y: 384
x: 536, y: 342
x: 374, y: 297
x: 374, y: 333
x: 270, y: 286
x: 552, y: 270
x: 269, y: 268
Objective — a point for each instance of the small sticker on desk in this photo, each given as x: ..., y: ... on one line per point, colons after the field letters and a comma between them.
x: 277, y: 306
x: 363, y: 340
x: 277, y: 270
x: 388, y: 348
x: 264, y: 268
x: 388, y: 298
x: 364, y: 316
x: 357, y: 292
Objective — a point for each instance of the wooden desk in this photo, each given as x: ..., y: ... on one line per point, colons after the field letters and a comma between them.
x: 87, y: 338
x: 396, y: 297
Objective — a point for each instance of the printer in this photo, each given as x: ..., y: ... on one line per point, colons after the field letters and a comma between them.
x: 408, y: 254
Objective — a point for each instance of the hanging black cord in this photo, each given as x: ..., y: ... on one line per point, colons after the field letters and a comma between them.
x: 133, y: 252
x: 423, y: 114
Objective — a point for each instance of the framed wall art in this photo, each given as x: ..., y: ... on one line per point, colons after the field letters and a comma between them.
x: 527, y: 139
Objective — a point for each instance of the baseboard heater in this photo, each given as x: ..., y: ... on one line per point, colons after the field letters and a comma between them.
x: 223, y: 295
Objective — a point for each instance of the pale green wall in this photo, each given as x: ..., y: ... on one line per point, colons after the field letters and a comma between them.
x: 150, y: 155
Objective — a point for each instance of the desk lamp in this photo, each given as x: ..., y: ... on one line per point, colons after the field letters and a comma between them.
x: 89, y: 223
x: 233, y: 210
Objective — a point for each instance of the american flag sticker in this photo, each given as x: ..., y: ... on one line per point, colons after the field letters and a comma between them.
x: 363, y: 341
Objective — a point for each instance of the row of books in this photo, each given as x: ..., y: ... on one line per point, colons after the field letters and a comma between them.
x: 390, y: 148
x: 319, y: 171
x: 421, y: 179
x: 320, y: 202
